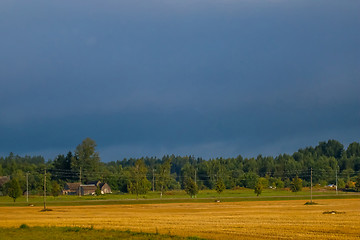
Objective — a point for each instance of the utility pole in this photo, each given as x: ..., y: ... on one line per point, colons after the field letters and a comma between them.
x: 80, y: 184
x: 311, y: 185
x: 195, y: 175
x: 45, y: 190
x: 27, y: 187
x: 153, y: 182
x: 336, y: 188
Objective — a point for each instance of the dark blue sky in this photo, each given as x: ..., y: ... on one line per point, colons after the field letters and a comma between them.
x: 187, y: 77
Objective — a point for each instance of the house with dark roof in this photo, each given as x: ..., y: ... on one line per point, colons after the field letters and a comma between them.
x: 105, y: 188
x: 71, y: 189
x: 85, y: 189
x: 88, y: 189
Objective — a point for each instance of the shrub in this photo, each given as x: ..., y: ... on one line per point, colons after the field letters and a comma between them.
x: 296, y: 184
x: 24, y: 226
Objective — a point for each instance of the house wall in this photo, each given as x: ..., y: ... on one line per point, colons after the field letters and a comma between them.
x: 105, y: 189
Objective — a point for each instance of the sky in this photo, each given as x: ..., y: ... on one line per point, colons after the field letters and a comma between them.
x: 209, y: 78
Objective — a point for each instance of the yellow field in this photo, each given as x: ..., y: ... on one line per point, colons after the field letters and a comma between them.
x: 243, y: 220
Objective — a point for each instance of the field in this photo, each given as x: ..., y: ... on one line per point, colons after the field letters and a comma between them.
x: 289, y: 219
x: 177, y: 197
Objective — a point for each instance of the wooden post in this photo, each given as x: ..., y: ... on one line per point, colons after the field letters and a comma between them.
x: 27, y: 187
x: 80, y: 184
x: 153, y: 181
x: 311, y: 185
x: 45, y: 190
x: 336, y: 180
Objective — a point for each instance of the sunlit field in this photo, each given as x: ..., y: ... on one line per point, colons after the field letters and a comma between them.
x: 238, y: 220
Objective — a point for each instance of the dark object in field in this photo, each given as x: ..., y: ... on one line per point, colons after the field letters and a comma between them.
x: 24, y: 226
x: 46, y: 210
x: 311, y: 203
x: 333, y: 212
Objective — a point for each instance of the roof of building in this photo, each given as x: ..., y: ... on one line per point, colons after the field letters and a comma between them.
x: 88, y: 187
x: 93, y: 183
x: 73, y: 186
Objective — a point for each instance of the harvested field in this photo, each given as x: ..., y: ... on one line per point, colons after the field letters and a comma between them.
x: 244, y: 220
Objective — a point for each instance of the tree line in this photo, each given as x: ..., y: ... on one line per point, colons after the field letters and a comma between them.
x: 328, y: 161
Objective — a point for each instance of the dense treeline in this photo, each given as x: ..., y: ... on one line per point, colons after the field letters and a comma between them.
x: 327, y: 160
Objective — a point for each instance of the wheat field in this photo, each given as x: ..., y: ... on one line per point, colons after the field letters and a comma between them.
x: 242, y: 220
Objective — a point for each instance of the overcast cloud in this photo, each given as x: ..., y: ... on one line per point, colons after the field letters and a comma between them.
x: 206, y: 78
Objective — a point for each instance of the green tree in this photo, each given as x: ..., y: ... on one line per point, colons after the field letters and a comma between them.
x: 55, y: 188
x: 357, y: 184
x: 279, y: 184
x: 350, y: 184
x: 63, y: 164
x: 296, y: 184
x: 13, y: 189
x: 187, y: 171
x: 98, y: 191
x: 138, y: 183
x: 258, y: 188
x: 86, y: 158
x: 341, y: 183
x: 220, y: 186
x: 191, y: 188
x: 353, y: 150
x: 331, y: 148
x: 264, y: 182
x: 250, y: 179
x: 164, y: 178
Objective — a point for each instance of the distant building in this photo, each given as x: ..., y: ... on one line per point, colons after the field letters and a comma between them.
x: 105, y: 188
x: 88, y: 189
x: 71, y: 189
x: 85, y: 189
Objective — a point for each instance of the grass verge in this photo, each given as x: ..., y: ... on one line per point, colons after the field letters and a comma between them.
x: 206, y: 196
x: 87, y: 233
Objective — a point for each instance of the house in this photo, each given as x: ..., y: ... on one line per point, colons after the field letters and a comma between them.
x: 85, y: 189
x: 88, y: 189
x: 71, y: 189
x: 104, y: 187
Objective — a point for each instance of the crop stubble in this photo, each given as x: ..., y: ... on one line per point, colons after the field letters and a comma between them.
x: 243, y: 220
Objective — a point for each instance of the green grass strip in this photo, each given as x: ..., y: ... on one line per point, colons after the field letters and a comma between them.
x: 75, y: 233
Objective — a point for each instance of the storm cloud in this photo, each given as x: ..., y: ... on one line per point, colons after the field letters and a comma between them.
x: 204, y: 78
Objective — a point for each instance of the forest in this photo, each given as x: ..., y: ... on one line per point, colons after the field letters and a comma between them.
x: 328, y: 163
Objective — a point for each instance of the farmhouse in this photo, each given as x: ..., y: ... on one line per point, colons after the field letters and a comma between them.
x: 104, y: 188
x: 88, y: 189
x: 85, y: 189
x: 71, y: 189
